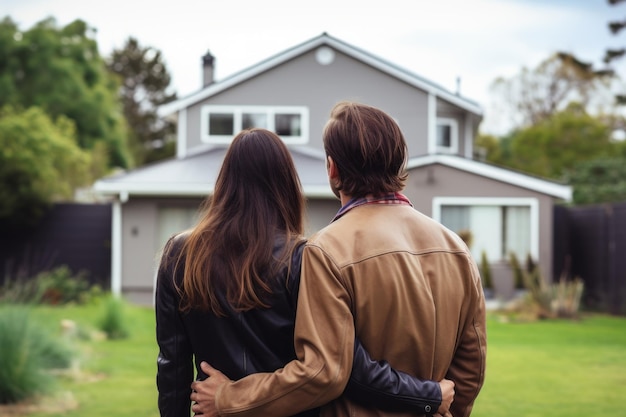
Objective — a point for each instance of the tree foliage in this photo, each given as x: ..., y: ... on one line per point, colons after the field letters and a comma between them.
x: 572, y: 147
x: 59, y: 70
x: 144, y: 80
x: 601, y: 180
x: 534, y: 95
x: 612, y: 54
x: 555, y: 145
x: 40, y: 163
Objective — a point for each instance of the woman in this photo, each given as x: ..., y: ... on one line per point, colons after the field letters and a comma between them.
x: 227, y: 289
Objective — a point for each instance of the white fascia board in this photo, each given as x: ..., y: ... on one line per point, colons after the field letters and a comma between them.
x: 153, y: 189
x: 187, y: 190
x: 563, y: 192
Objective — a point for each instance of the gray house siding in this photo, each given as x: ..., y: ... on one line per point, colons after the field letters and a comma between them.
x: 319, y: 212
x: 144, y: 234
x: 304, y: 82
x: 143, y: 237
x: 429, y: 182
x: 464, y: 125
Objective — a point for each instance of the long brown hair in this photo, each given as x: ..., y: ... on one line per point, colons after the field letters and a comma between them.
x: 257, y: 197
x: 368, y: 148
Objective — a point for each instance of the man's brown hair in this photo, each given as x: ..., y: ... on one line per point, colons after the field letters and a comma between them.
x: 368, y: 149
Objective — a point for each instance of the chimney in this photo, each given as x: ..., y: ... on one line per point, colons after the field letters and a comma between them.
x: 208, y: 61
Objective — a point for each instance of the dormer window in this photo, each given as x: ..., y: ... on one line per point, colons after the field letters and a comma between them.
x: 447, y: 135
x: 219, y: 124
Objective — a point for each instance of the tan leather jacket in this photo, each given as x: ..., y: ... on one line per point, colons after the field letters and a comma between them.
x: 405, y: 285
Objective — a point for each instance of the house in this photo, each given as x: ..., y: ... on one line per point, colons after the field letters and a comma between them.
x: 292, y: 93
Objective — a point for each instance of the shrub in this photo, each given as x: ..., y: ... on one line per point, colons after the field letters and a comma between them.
x: 518, y: 275
x: 560, y: 300
x: 20, y: 291
x: 62, y: 287
x: 467, y: 236
x: 485, y: 271
x: 112, y: 322
x: 57, y: 286
x: 27, y: 353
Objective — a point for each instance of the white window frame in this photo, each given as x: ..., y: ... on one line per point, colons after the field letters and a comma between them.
x: 533, y: 203
x: 454, y: 135
x: 238, y: 112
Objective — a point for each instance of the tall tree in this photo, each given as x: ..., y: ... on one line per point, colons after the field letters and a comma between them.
x: 40, y: 163
x: 601, y: 180
x: 536, y: 94
x: 612, y: 54
x: 554, y: 146
x: 144, y: 80
x: 60, y: 70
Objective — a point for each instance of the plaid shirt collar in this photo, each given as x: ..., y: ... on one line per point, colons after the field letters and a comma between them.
x: 391, y: 198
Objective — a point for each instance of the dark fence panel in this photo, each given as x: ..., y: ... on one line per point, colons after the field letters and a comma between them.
x: 592, y: 241
x: 75, y: 235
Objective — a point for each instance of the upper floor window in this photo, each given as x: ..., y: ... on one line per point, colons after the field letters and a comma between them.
x: 447, y: 135
x: 219, y: 124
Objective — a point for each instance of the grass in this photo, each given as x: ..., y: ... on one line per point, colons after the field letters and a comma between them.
x: 545, y: 368
x: 554, y: 368
x: 115, y: 377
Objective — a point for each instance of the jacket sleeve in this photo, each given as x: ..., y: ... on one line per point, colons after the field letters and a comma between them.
x: 324, y: 343
x: 175, y: 359
x: 377, y: 384
x: 467, y: 369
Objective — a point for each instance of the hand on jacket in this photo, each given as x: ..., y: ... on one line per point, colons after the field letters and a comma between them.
x: 447, y: 396
x: 203, y: 392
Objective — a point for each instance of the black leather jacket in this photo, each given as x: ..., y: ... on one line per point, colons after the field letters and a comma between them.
x: 259, y: 340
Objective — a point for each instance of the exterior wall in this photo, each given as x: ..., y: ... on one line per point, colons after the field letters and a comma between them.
x: 426, y: 183
x: 303, y: 81
x: 319, y: 213
x: 141, y: 245
x: 464, y: 124
x: 139, y: 218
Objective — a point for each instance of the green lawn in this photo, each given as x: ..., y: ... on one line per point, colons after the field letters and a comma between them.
x: 547, y: 368
x: 555, y: 368
x: 116, y: 377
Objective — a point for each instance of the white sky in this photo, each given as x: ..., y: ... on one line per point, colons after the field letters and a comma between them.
x: 477, y: 40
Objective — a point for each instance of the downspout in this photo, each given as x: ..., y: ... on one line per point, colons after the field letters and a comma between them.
x: 116, y: 245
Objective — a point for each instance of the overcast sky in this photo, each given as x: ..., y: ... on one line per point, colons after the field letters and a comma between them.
x: 477, y: 40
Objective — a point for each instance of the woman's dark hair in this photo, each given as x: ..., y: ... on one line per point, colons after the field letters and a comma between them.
x: 368, y: 149
x: 257, y: 199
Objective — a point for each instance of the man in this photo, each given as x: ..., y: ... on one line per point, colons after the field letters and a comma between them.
x: 406, y: 286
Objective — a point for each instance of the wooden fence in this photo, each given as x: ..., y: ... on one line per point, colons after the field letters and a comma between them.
x: 590, y: 243
x: 74, y: 235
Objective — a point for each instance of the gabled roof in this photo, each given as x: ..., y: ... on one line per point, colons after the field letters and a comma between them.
x: 323, y: 39
x: 195, y: 175
x: 496, y: 173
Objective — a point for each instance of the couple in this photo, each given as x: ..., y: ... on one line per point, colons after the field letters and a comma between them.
x: 291, y: 324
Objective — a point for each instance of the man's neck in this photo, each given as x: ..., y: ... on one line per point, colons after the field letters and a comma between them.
x: 344, y: 198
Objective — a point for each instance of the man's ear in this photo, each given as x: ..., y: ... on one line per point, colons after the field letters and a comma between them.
x: 331, y: 167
